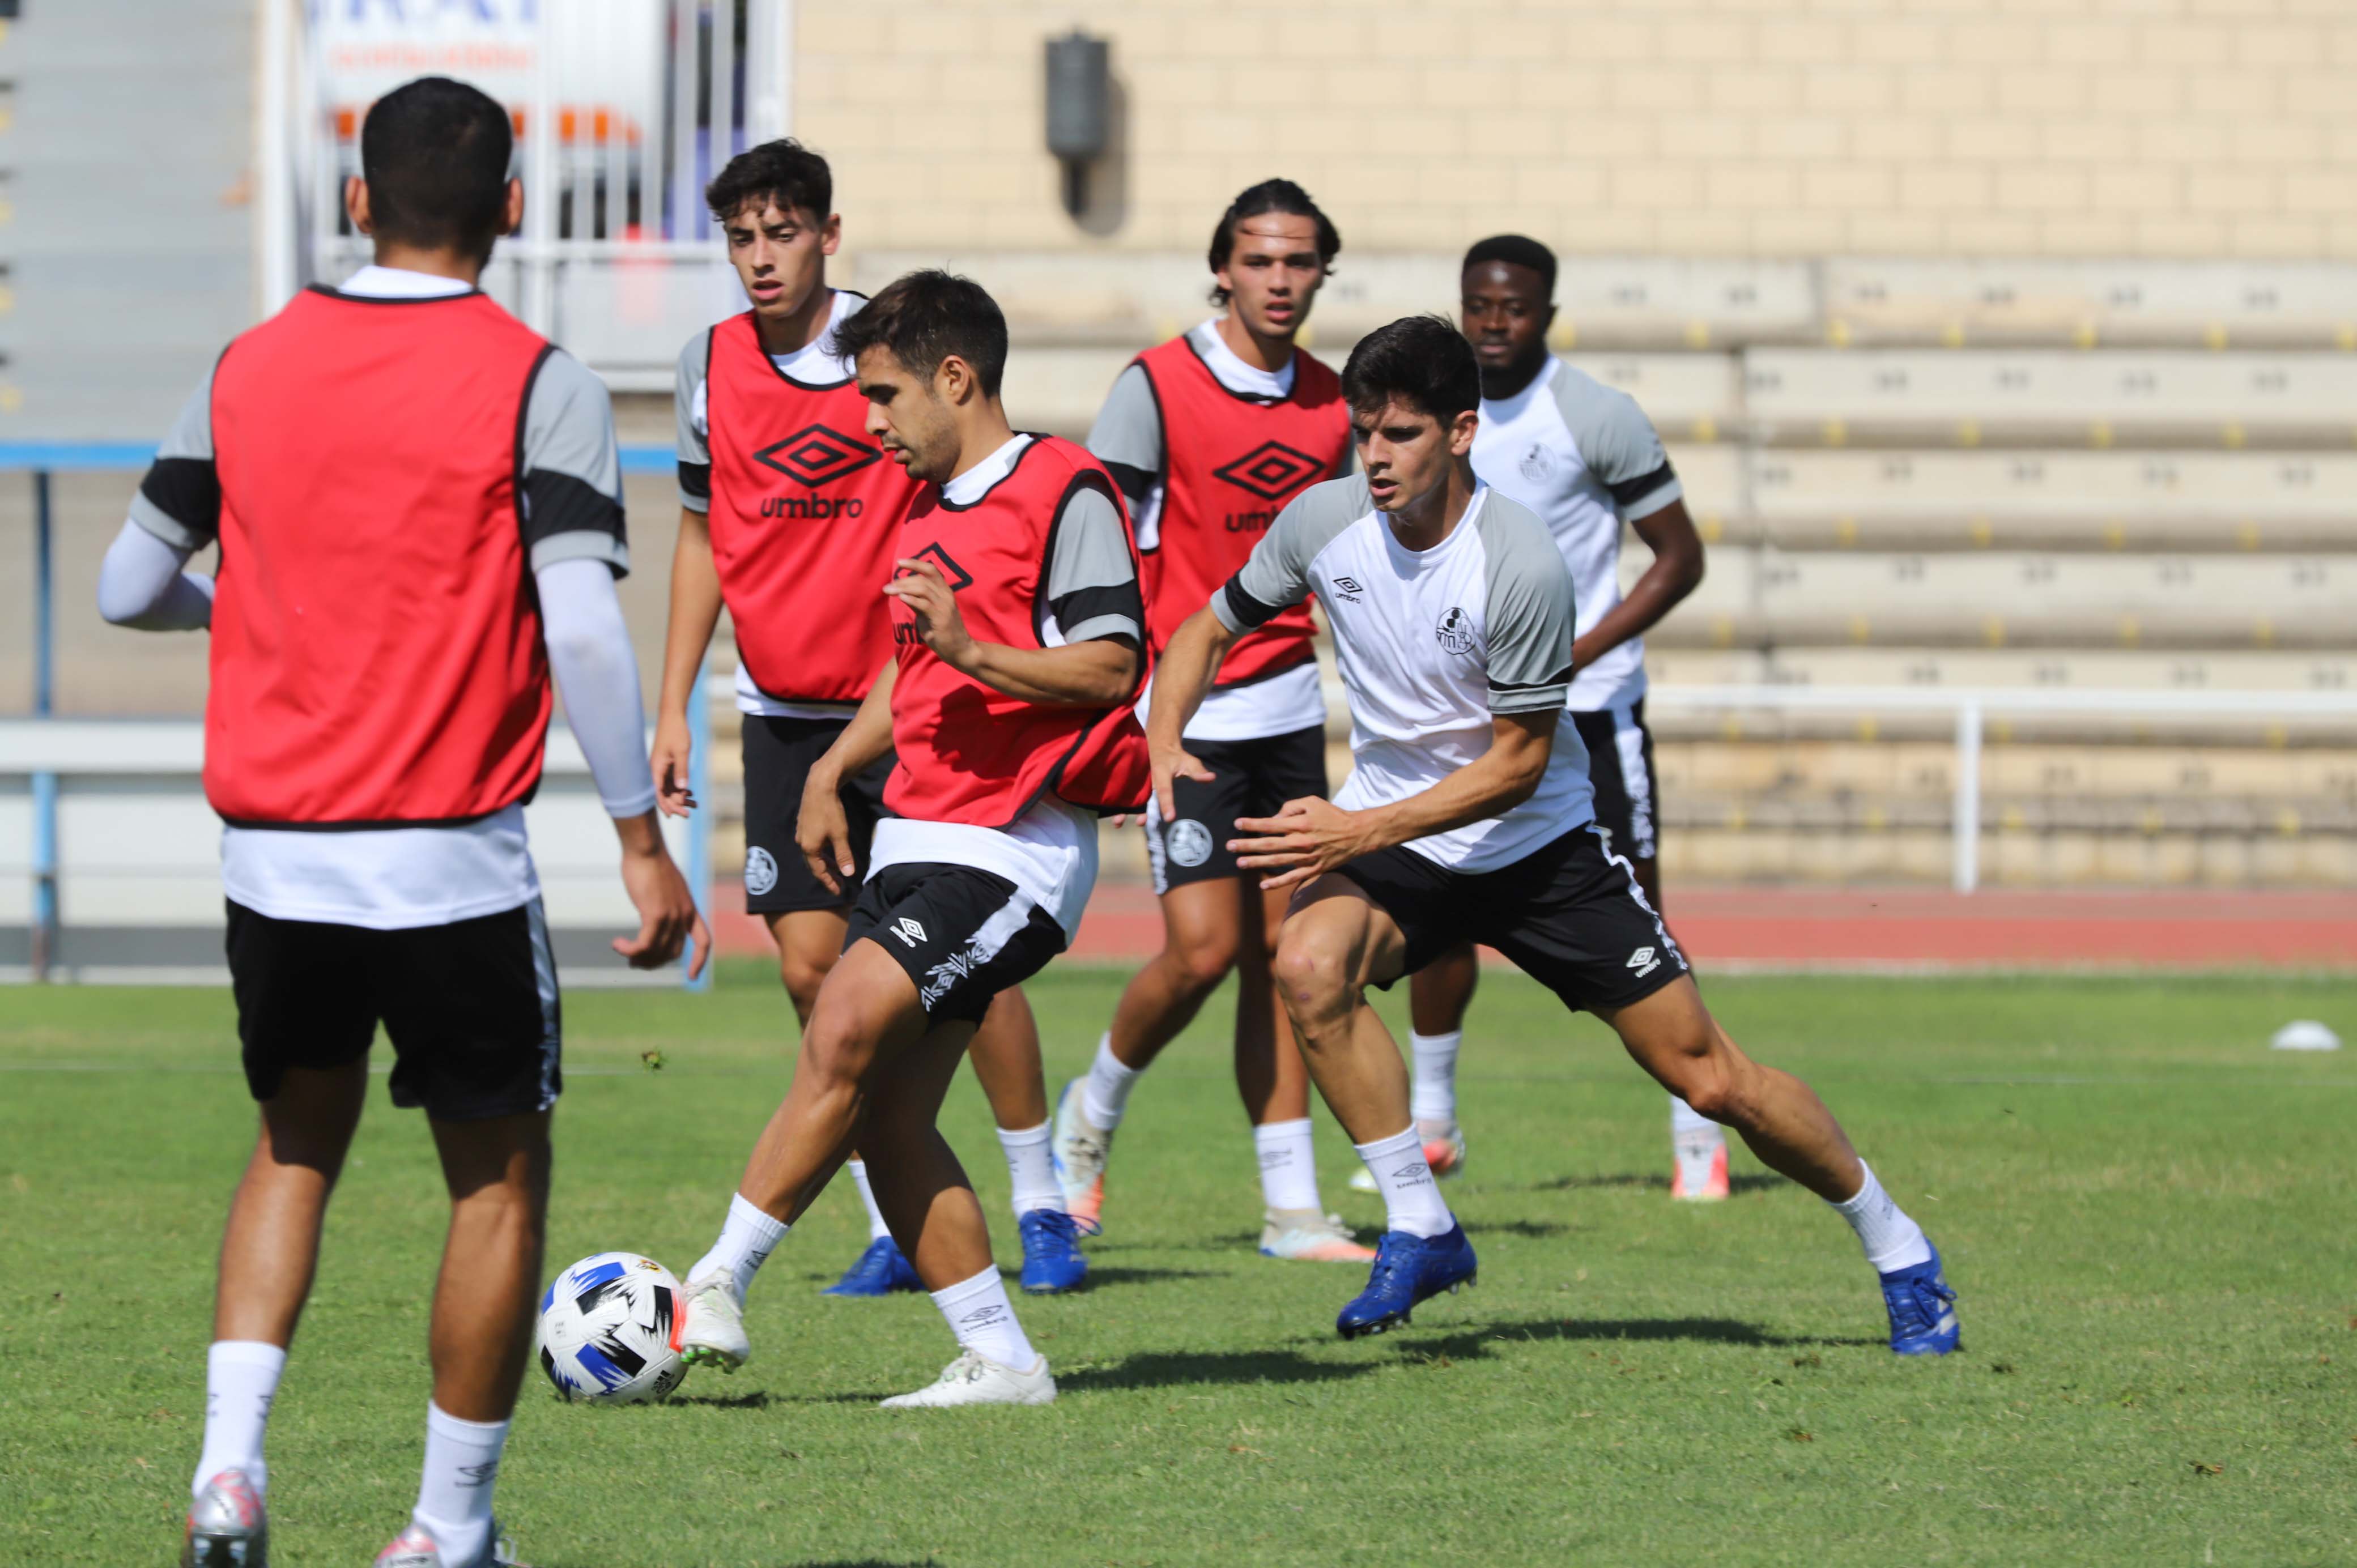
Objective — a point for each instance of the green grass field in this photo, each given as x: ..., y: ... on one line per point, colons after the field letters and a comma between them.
x: 2148, y: 1216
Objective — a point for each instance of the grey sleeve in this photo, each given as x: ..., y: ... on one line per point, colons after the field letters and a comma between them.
x: 1530, y: 612
x: 1617, y: 442
x: 1092, y: 586
x: 180, y: 499
x: 688, y: 395
x: 1128, y: 435
x: 572, y: 500
x: 1276, y: 574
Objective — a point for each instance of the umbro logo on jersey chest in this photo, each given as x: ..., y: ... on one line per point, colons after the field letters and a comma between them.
x: 816, y: 455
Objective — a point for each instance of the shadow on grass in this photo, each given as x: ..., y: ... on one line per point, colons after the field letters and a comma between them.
x: 1119, y: 1274
x: 1173, y: 1368
x: 1749, y: 1181
x: 755, y: 1400
x: 1474, y: 1343
x: 1526, y: 1228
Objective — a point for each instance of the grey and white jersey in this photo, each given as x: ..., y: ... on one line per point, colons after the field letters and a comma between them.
x: 1431, y: 645
x: 1585, y: 459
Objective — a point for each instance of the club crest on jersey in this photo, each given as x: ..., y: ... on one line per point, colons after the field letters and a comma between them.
x: 815, y: 455
x: 1190, y: 842
x: 760, y: 871
x: 1456, y: 631
x: 1272, y: 470
x: 1538, y: 462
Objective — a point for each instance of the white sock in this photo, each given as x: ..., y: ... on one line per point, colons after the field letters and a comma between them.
x: 1031, y: 1169
x: 454, y: 1496
x: 984, y: 1320
x: 1434, y: 1096
x: 1288, y: 1170
x: 241, y: 1379
x: 744, y: 1244
x: 1411, y: 1198
x: 1106, y: 1097
x: 877, y: 1229
x: 1891, y: 1239
x: 1685, y: 1121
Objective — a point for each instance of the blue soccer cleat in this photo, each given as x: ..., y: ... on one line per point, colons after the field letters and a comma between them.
x: 1408, y: 1270
x: 881, y: 1271
x: 1922, y: 1309
x: 1051, y: 1251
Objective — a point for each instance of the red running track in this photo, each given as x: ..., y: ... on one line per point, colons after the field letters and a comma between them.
x: 1802, y: 927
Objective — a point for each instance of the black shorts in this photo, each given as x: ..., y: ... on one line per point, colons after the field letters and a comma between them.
x: 1621, y: 765
x: 778, y: 754
x: 963, y: 935
x: 1250, y: 778
x: 471, y: 1007
x: 1570, y: 915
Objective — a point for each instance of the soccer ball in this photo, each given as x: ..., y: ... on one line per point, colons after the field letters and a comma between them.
x: 609, y: 1330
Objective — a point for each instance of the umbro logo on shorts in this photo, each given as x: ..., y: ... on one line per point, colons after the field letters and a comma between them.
x: 908, y: 931
x: 1644, y: 961
x: 1272, y: 470
x: 815, y: 455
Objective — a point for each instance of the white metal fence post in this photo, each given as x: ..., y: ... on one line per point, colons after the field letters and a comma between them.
x: 1968, y: 824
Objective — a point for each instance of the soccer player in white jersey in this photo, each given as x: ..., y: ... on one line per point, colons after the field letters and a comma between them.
x: 1585, y: 459
x: 1468, y: 814
x: 1209, y: 436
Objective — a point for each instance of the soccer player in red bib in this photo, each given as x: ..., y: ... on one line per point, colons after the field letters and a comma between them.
x: 1018, y: 653
x: 418, y: 506
x: 1210, y: 436
x: 792, y: 516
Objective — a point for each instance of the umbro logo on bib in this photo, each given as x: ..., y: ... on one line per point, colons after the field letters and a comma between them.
x: 1456, y: 631
x: 815, y: 455
x: 911, y: 933
x: 1272, y: 470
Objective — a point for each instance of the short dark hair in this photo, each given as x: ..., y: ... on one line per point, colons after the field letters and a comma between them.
x: 1515, y: 250
x: 1270, y: 196
x: 784, y: 171
x: 435, y: 153
x: 926, y: 317
x: 1421, y: 361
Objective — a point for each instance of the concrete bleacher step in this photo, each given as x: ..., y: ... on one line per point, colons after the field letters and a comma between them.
x: 1803, y: 499
x: 1954, y: 302
x: 2320, y: 778
x: 2008, y: 858
x: 2257, y: 672
x: 1761, y: 595
x: 1127, y: 298
x: 1968, y: 397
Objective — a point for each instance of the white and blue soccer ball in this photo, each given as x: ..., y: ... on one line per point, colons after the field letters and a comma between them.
x: 610, y: 1330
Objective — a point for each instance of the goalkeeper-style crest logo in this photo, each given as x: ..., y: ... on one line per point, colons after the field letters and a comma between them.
x: 1456, y: 631
x: 815, y: 455
x: 1272, y: 470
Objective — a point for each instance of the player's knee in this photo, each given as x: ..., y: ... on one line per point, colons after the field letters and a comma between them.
x: 1203, y: 961
x: 1312, y: 967
x: 802, y: 976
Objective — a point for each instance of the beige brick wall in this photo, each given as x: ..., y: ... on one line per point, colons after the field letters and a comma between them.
x: 2163, y: 128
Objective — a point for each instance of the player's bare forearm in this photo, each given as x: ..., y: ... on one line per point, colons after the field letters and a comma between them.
x: 1099, y: 673
x: 1311, y: 837
x: 1184, y: 673
x: 868, y: 736
x: 1677, y: 571
x: 694, y: 611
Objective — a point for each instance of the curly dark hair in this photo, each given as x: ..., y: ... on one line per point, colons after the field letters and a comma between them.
x: 784, y: 171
